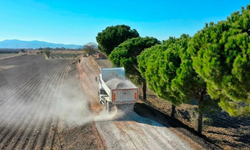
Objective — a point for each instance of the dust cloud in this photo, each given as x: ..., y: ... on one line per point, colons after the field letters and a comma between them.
x: 71, y: 105
x: 43, y: 103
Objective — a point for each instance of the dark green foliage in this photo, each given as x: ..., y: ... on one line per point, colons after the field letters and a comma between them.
x: 221, y: 56
x: 170, y: 41
x: 22, y: 51
x: 112, y: 36
x: 126, y: 53
x: 169, y: 73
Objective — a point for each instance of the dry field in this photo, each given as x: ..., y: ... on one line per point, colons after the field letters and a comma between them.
x: 65, y: 54
x: 58, y: 54
x: 7, y: 55
x: 42, y: 106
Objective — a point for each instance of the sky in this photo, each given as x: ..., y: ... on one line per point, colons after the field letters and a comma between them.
x: 79, y: 21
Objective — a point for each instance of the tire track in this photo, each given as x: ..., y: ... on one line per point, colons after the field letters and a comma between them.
x: 115, y: 143
x: 143, y: 140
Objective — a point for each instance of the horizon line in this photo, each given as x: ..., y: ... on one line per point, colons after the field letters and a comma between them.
x: 40, y: 41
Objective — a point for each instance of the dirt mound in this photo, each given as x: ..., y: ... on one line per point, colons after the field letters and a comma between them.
x: 116, y: 83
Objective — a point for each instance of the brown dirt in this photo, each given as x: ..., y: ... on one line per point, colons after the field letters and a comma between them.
x: 28, y: 129
x: 86, y: 82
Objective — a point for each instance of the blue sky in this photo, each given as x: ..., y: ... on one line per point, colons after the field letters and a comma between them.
x: 79, y: 21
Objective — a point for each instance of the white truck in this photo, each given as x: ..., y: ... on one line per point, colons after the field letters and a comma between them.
x: 116, y: 90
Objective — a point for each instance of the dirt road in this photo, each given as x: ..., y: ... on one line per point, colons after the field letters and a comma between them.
x: 128, y: 131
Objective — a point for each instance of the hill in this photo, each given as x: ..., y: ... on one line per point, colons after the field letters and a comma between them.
x: 14, y: 44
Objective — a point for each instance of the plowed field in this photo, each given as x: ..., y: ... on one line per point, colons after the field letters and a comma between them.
x: 42, y: 106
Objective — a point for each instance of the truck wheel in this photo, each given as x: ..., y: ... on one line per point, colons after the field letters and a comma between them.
x: 99, y: 98
x: 105, y: 106
x: 108, y: 110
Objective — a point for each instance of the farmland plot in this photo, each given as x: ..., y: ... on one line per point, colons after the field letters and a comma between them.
x: 37, y: 95
x: 7, y: 55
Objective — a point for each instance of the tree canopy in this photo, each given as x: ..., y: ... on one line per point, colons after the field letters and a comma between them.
x: 169, y: 73
x: 112, y: 36
x: 221, y: 56
x: 126, y: 53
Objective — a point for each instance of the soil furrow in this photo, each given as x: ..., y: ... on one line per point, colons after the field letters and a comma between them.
x: 20, y: 136
x: 14, y: 75
x: 23, y: 119
x: 32, y: 143
x: 22, y: 92
x: 51, y: 135
x: 27, y: 135
x: 21, y: 77
x: 32, y: 84
x: 22, y: 83
x: 14, y: 109
x: 47, y: 125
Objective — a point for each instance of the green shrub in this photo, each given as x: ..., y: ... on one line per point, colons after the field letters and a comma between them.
x: 46, y: 53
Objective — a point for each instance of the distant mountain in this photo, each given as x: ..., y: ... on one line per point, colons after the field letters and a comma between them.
x: 34, y: 44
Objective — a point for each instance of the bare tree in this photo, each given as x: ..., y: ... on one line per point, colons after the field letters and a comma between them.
x: 90, y: 48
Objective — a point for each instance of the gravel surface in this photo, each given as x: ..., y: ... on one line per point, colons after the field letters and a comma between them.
x: 116, y: 83
x: 132, y: 131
